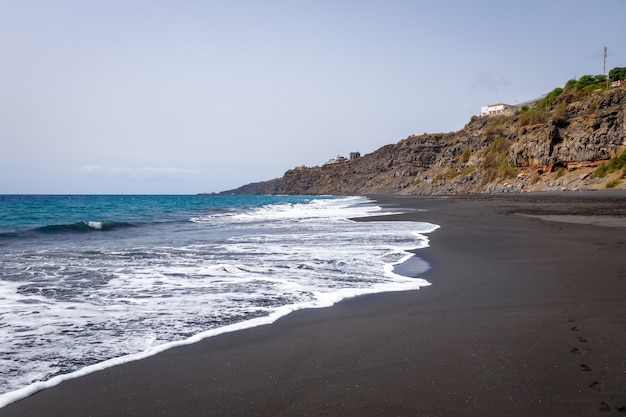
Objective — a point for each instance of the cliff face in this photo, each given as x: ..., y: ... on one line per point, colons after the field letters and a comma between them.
x: 533, y: 150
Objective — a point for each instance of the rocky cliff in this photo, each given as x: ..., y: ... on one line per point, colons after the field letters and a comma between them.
x: 553, y: 145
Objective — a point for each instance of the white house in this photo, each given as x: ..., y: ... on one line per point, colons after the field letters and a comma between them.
x: 338, y: 158
x: 499, y: 108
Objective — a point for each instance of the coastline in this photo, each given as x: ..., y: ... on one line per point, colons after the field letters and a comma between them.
x: 524, y: 317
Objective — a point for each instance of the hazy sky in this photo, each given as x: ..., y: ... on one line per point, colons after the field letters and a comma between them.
x: 189, y: 96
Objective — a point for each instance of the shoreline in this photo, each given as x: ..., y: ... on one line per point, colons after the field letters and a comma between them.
x: 499, y: 331
x: 408, y: 282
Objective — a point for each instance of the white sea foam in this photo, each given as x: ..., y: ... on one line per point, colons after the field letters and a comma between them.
x: 109, y: 302
x: 95, y: 225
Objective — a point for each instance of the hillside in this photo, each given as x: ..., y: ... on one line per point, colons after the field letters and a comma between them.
x: 555, y: 144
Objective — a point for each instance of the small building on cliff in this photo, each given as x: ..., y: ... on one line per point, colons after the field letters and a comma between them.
x: 338, y: 158
x: 495, y: 109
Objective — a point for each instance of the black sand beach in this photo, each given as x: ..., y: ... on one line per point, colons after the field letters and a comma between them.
x: 526, y: 316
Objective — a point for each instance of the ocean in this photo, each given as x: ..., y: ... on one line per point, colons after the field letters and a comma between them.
x: 90, y: 281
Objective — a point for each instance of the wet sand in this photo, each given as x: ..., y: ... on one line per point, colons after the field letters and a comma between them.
x: 526, y: 316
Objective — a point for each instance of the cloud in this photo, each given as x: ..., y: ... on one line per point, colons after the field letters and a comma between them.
x: 146, y: 173
x: 485, y: 81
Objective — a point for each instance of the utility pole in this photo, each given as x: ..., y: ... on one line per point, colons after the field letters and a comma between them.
x: 607, y: 78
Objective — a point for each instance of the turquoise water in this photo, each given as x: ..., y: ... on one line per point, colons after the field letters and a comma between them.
x: 20, y: 213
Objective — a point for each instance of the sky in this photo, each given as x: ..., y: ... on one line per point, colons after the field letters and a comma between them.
x: 183, y: 97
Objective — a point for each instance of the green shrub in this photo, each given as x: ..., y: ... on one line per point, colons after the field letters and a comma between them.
x: 559, y: 115
x: 452, y: 172
x: 585, y: 85
x: 614, y: 183
x: 601, y: 171
x: 496, y: 165
x: 550, y: 99
x: 585, y: 81
x: 455, y: 172
x: 615, y: 164
x: 533, y: 116
x: 617, y: 73
x: 466, y: 170
x: 493, y: 131
x: 587, y: 90
x: 499, y: 146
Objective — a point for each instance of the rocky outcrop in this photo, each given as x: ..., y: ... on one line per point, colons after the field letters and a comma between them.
x: 555, y: 148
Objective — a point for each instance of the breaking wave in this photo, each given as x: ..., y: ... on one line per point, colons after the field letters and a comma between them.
x: 83, y: 226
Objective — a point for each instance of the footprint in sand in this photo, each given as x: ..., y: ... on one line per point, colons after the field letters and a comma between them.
x: 581, y: 339
x: 585, y: 368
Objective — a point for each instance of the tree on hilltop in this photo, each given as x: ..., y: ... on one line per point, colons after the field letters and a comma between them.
x: 617, y: 73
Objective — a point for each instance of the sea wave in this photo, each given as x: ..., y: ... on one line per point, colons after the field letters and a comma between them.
x: 83, y: 226
x: 77, y: 300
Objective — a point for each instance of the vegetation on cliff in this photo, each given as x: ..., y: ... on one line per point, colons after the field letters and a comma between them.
x: 614, y: 164
x: 496, y: 165
x: 617, y: 73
